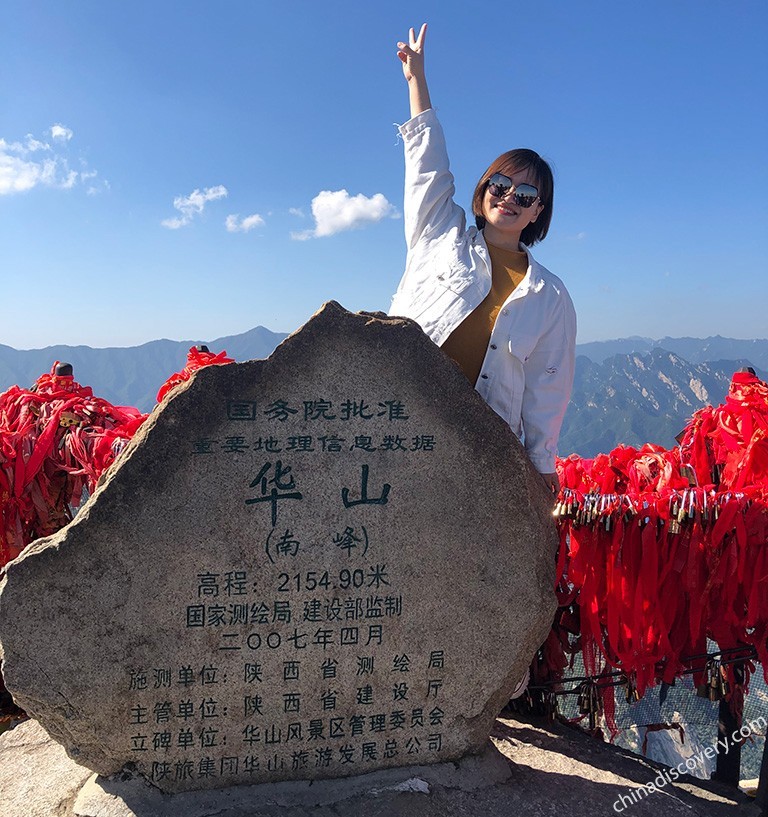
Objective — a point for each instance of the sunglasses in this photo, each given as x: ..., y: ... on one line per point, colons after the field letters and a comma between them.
x: 525, y: 195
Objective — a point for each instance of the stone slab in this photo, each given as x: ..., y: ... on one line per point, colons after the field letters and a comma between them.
x: 330, y: 562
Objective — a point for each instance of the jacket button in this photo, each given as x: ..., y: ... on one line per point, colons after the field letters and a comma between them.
x: 493, y: 346
x: 484, y: 376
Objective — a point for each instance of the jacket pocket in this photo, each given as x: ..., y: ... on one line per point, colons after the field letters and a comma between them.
x: 521, y: 345
x: 457, y: 270
x: 457, y: 280
x: 437, y: 293
x: 423, y: 300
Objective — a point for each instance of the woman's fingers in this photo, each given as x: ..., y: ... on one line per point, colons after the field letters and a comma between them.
x: 419, y: 43
x: 411, y: 53
x: 414, y: 43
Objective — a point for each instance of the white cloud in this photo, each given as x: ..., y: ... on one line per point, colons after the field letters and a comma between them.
x: 33, y: 145
x: 192, y: 205
x: 34, y: 163
x: 61, y: 132
x: 235, y: 224
x: 296, y: 211
x: 335, y: 211
x: 70, y: 180
x: 97, y: 185
x: 18, y: 175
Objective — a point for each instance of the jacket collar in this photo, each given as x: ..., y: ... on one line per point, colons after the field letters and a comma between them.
x: 533, y: 280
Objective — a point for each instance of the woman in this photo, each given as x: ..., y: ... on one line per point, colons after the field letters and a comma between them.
x: 477, y: 292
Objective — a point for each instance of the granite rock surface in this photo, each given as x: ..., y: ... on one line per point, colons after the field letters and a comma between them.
x: 330, y: 562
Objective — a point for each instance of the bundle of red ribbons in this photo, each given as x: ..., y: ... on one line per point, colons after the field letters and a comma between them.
x: 56, y: 439
x: 197, y: 357
x: 661, y: 549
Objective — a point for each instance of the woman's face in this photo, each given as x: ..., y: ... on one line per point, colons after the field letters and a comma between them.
x: 502, y: 213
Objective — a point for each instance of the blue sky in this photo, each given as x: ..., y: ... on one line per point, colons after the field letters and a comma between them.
x: 160, y: 161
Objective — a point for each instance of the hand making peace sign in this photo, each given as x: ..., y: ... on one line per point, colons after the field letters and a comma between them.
x: 411, y: 54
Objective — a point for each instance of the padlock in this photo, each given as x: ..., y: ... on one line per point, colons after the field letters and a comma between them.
x: 583, y: 701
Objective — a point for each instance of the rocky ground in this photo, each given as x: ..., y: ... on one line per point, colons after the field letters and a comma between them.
x: 530, y: 769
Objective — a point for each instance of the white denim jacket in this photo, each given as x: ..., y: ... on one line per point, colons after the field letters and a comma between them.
x: 527, y: 373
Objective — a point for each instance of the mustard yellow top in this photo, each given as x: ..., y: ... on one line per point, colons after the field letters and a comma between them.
x: 468, y: 342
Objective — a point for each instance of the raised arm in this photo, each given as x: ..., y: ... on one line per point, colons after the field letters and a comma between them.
x: 412, y: 56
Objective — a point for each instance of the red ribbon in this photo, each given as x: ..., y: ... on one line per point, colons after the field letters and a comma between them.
x: 646, y: 567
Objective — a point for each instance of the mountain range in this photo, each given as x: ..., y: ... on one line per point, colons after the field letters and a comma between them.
x: 629, y: 390
x: 640, y: 397
x: 132, y: 375
x: 694, y: 350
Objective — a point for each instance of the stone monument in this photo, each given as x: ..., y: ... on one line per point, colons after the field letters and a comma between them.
x: 329, y: 562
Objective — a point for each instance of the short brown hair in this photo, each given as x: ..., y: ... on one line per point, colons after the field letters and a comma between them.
x: 513, y: 161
